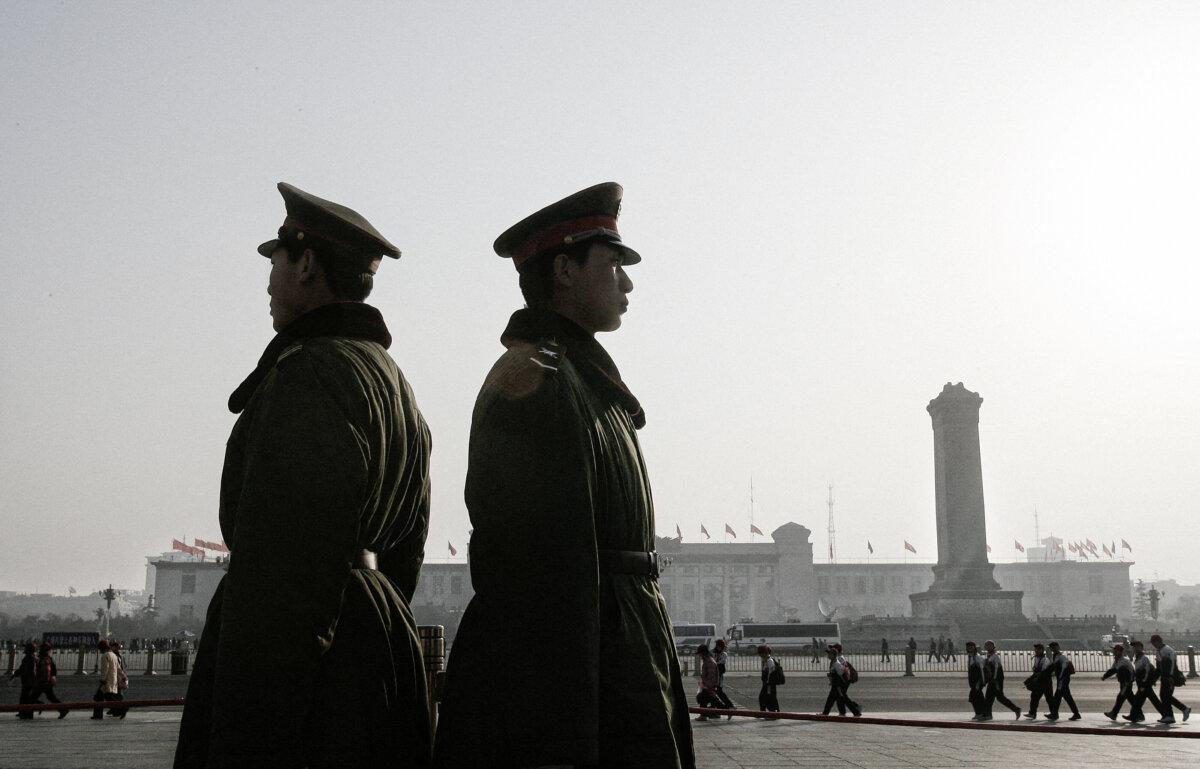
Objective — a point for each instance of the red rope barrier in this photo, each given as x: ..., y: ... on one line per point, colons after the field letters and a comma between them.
x: 91, y: 705
x: 1117, y: 730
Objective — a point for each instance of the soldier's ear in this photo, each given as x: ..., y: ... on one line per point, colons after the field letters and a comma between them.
x: 563, y: 270
x: 308, y: 267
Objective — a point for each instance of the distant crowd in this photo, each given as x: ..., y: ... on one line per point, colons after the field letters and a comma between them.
x: 38, y: 674
x: 160, y: 644
x: 1049, y: 683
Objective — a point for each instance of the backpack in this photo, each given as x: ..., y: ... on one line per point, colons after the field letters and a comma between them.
x: 1177, y: 677
x: 1069, y: 669
x: 776, y: 676
x: 850, y: 673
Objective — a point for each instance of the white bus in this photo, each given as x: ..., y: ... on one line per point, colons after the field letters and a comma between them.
x: 689, y: 636
x: 782, y: 637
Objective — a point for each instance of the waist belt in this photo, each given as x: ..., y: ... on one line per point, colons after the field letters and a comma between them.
x: 365, y: 559
x: 629, y: 562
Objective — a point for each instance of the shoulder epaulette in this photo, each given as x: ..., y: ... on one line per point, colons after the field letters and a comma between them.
x: 548, y: 354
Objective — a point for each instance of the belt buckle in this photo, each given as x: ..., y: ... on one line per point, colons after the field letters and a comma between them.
x: 652, y: 559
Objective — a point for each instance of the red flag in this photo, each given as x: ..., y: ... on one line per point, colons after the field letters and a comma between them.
x: 1071, y: 546
x: 1125, y: 545
x: 704, y: 531
x: 215, y: 546
x: 869, y: 548
x: 729, y: 530
x: 1106, y: 551
x: 453, y: 552
x: 678, y: 533
x: 1018, y: 546
x: 989, y: 547
x: 1091, y: 545
x: 177, y: 545
x: 909, y: 547
x: 755, y: 530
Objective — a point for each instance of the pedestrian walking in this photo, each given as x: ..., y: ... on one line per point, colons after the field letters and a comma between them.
x: 950, y: 650
x: 993, y: 670
x: 324, y: 504
x: 934, y: 654
x: 710, y: 680
x: 1040, y: 682
x: 721, y: 657
x: 122, y: 679
x: 109, y: 685
x: 1122, y: 668
x: 562, y: 514
x: 884, y: 656
x: 941, y: 649
x: 1145, y: 674
x: 1061, y: 670
x: 47, y: 678
x: 1169, y: 676
x: 975, y: 682
x: 839, y: 682
x: 27, y: 672
x: 814, y: 651
x: 772, y: 676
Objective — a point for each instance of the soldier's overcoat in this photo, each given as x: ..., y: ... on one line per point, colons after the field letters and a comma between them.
x: 307, y: 659
x: 556, y: 662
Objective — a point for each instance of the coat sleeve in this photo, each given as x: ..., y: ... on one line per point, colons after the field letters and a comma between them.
x: 296, y: 530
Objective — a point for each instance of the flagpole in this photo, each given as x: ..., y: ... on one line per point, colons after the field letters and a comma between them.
x: 752, y: 508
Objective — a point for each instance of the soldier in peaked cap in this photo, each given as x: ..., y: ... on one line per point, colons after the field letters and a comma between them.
x: 563, y: 525
x: 310, y: 655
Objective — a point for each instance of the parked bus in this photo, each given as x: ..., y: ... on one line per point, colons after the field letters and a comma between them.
x: 782, y: 637
x: 689, y: 636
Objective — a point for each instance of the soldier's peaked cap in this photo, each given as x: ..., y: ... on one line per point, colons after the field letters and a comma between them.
x: 308, y: 215
x: 587, y: 215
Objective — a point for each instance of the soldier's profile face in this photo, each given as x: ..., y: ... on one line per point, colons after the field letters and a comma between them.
x: 598, y: 294
x: 283, y: 286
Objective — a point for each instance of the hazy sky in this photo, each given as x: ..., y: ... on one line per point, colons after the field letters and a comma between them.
x: 842, y: 207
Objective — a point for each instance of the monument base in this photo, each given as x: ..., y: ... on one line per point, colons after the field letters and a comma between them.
x: 967, y: 604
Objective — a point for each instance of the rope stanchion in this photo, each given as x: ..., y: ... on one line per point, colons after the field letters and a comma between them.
x: 92, y: 705
x: 1114, y: 731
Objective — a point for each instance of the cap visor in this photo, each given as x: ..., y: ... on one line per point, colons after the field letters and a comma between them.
x: 628, y: 255
x: 268, y: 248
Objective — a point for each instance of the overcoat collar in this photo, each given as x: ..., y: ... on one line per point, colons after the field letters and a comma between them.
x: 588, y: 356
x: 354, y: 320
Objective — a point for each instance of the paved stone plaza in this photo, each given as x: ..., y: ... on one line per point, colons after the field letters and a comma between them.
x: 146, y: 740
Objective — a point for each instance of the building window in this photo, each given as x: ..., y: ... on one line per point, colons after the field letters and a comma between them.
x: 823, y: 585
x: 877, y: 584
x: 439, y: 585
x: 456, y: 586
x: 187, y: 584
x: 186, y: 610
x: 689, y: 592
x: 741, y: 569
x: 841, y: 585
x: 860, y: 585
x: 764, y: 570
x: 1095, y: 584
x: 897, y: 584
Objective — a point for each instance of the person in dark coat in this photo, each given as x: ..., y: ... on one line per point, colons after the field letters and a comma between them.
x: 975, y: 681
x: 993, y: 673
x: 1061, y: 669
x: 1041, y: 679
x: 721, y: 657
x: 27, y: 672
x: 47, y: 678
x: 1122, y: 668
x: 1145, y: 674
x: 563, y: 525
x: 768, y: 695
x: 884, y: 656
x: 310, y: 655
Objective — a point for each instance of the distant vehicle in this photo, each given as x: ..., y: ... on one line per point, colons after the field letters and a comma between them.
x: 1109, y: 640
x: 689, y: 636
x: 793, y: 637
x: 72, y: 640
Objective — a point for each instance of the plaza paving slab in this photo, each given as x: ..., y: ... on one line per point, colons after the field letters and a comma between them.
x: 146, y: 740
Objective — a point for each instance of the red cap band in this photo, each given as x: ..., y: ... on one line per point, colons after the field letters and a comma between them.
x: 560, y: 234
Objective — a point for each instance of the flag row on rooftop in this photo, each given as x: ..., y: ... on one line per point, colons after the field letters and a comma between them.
x: 1087, y: 549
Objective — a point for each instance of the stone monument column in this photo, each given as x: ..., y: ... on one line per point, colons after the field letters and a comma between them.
x: 963, y: 585
x: 958, y: 485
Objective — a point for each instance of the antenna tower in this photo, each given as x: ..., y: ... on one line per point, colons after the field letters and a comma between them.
x: 832, y: 530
